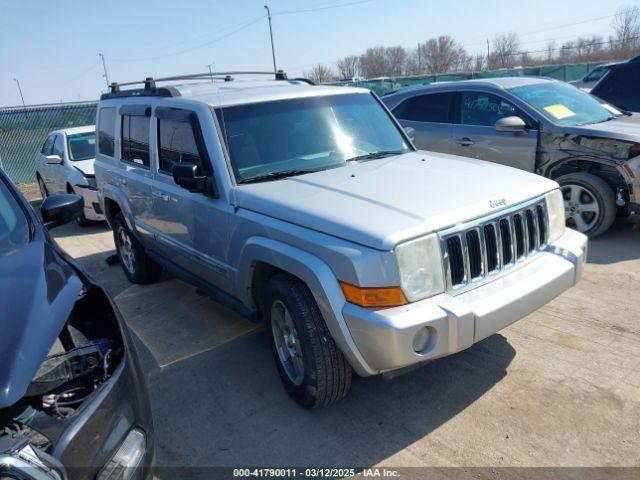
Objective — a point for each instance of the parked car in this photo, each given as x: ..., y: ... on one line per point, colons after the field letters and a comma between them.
x: 73, y: 399
x: 308, y: 207
x: 620, y: 86
x: 65, y: 165
x: 587, y: 82
x: 539, y: 125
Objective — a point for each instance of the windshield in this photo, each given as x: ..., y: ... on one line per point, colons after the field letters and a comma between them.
x: 563, y: 104
x: 81, y: 146
x: 14, y: 227
x: 306, y: 134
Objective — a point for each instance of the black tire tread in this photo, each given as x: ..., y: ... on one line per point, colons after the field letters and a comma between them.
x: 330, y: 376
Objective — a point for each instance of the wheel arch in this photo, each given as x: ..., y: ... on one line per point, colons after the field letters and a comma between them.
x: 612, y: 173
x: 262, y: 257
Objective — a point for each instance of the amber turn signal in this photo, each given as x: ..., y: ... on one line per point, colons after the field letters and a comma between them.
x: 373, y: 297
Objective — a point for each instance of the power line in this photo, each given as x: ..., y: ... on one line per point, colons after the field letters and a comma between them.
x: 575, y: 47
x: 317, y: 9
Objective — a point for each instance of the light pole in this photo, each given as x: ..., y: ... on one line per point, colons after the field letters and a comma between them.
x: 273, y: 51
x: 212, y: 64
x: 104, y: 67
x: 20, y: 90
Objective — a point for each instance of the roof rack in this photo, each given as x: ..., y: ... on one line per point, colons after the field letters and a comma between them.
x: 150, y: 88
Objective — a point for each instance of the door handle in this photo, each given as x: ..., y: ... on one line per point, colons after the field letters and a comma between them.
x: 465, y: 142
x: 160, y: 195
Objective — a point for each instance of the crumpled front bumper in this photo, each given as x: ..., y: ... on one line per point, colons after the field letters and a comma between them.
x: 92, y: 209
x: 454, y: 322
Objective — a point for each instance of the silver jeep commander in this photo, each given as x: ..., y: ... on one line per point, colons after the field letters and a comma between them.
x: 308, y: 207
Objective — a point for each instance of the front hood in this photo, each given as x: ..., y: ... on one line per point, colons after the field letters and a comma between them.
x: 85, y: 166
x: 37, y: 292
x: 624, y: 128
x: 380, y: 203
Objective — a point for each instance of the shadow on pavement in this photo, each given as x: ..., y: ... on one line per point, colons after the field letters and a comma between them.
x: 620, y: 243
x: 227, y: 407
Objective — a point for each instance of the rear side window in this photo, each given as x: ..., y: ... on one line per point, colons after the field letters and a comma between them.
x: 135, y: 139
x: 484, y: 109
x: 435, y: 108
x: 177, y: 143
x: 620, y: 87
x: 107, y: 131
x: 47, y: 148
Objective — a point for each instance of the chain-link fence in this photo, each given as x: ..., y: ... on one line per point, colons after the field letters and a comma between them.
x: 566, y: 73
x: 24, y: 129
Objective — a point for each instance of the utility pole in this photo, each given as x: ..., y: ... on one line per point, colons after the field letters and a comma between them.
x: 104, y: 67
x: 273, y: 51
x: 211, y: 71
x: 20, y: 90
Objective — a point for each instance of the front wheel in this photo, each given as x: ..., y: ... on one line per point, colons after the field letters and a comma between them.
x: 589, y: 203
x: 312, y: 368
x: 43, y: 188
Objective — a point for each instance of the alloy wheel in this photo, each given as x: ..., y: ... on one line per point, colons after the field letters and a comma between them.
x: 581, y: 207
x: 287, y: 342
x: 125, y: 248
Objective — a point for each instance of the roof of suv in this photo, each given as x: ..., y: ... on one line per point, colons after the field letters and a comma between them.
x: 503, y: 83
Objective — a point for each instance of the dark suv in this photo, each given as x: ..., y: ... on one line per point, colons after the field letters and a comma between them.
x: 621, y: 86
x: 73, y: 399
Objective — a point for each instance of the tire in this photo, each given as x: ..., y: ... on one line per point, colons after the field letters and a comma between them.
x: 590, y: 205
x: 326, y: 374
x: 43, y: 188
x: 137, y: 266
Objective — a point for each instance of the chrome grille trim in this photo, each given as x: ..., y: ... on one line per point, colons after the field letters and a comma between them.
x: 532, y: 224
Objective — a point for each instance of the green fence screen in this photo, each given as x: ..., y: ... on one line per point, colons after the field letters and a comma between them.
x: 24, y: 129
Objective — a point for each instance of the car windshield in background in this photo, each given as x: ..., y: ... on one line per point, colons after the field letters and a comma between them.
x: 563, y: 104
x: 290, y: 137
x: 82, y: 146
x: 14, y: 227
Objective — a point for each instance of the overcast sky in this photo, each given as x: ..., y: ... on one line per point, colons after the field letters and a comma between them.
x: 52, y: 46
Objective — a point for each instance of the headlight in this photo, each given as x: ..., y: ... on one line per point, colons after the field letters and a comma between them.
x: 555, y: 210
x: 420, y: 266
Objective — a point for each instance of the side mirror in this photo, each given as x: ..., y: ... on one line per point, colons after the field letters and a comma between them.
x: 511, y: 124
x: 187, y: 175
x: 411, y: 133
x: 59, y: 209
x: 53, y: 160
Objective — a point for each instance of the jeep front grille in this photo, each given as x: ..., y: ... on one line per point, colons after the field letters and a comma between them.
x: 491, y: 245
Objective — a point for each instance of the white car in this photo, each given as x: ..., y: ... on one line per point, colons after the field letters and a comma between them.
x: 65, y: 165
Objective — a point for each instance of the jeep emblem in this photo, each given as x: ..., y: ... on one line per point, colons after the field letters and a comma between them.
x: 501, y: 202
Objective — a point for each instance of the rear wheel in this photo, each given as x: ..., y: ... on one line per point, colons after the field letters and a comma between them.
x: 137, y: 266
x: 589, y: 203
x: 311, y: 366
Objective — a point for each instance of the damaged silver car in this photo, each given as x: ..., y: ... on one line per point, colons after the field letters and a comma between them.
x: 590, y: 148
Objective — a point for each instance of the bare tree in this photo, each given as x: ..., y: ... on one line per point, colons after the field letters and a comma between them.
x: 626, y: 27
x: 442, y: 54
x: 395, y: 60
x: 320, y: 74
x: 373, y: 62
x: 504, y: 51
x: 349, y: 67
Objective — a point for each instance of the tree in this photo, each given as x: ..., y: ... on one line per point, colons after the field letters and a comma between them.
x: 373, y: 63
x: 626, y: 27
x: 504, y: 51
x: 349, y: 67
x: 320, y: 74
x: 395, y: 60
x: 442, y: 54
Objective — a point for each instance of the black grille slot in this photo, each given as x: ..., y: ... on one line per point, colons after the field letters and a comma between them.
x: 542, y: 226
x: 475, y: 253
x: 531, y: 227
x: 518, y: 227
x: 505, y: 233
x: 491, y: 244
x: 456, y: 260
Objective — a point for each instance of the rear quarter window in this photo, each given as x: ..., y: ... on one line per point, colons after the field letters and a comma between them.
x: 434, y: 108
x: 106, y: 131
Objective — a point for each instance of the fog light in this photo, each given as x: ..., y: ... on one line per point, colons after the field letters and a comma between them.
x: 421, y: 340
x: 123, y: 464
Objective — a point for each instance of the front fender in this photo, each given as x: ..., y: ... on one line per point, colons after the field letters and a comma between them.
x: 111, y: 192
x: 316, y: 275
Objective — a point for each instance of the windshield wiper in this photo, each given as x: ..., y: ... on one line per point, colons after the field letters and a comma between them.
x: 276, y: 175
x: 374, y: 155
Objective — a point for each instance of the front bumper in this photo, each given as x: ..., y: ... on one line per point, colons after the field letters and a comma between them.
x: 92, y: 209
x: 385, y: 338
